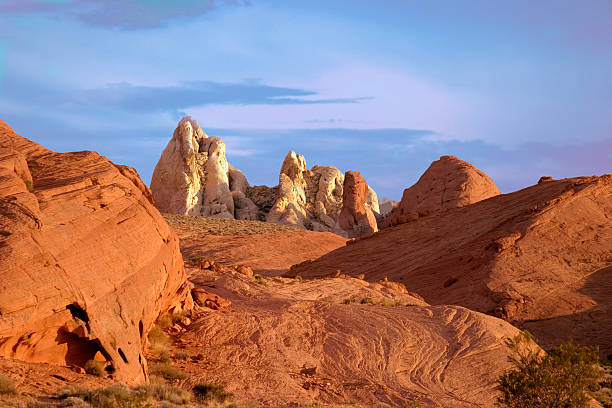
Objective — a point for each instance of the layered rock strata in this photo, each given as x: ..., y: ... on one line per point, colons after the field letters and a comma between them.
x: 87, y: 263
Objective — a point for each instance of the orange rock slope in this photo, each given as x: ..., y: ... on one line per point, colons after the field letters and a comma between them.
x: 86, y: 262
x: 540, y: 257
x: 340, y: 341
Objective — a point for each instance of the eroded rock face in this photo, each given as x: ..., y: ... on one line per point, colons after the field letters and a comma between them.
x: 356, y: 218
x: 447, y: 183
x: 193, y: 177
x: 86, y: 262
x: 311, y: 199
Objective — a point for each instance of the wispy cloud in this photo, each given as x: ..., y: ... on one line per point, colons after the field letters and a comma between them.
x: 138, y: 99
x: 121, y: 14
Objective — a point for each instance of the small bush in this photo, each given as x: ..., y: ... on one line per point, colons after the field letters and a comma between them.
x: 96, y: 368
x: 391, y: 302
x: 348, y: 301
x: 118, y: 396
x: 160, y: 342
x: 167, y: 371
x: 412, y: 404
x: 28, y: 184
x: 367, y: 301
x: 211, y: 393
x: 314, y: 405
x: 164, y: 357
x: 7, y: 386
x: 259, y: 279
x: 164, y: 392
x: 182, y: 356
x: 557, y: 379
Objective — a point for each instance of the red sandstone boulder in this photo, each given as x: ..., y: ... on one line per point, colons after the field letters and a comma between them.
x: 355, y: 219
x: 447, y: 183
x: 87, y: 263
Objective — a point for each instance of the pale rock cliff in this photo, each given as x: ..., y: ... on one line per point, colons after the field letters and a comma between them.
x: 193, y: 177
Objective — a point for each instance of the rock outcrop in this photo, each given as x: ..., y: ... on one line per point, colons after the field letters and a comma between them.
x: 87, y: 263
x: 447, y: 183
x: 193, y: 177
x: 355, y: 219
x: 311, y: 199
x: 339, y: 341
x: 540, y: 257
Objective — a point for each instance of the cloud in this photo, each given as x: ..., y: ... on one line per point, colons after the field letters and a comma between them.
x: 121, y: 14
x: 176, y: 99
x: 138, y: 98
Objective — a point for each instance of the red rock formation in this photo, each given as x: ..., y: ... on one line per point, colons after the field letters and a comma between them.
x: 86, y: 262
x: 541, y: 255
x: 355, y: 219
x: 447, y: 183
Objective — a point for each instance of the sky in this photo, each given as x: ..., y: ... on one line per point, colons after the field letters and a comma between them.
x: 519, y: 88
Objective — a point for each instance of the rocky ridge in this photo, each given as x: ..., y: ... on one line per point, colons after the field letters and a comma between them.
x: 539, y: 257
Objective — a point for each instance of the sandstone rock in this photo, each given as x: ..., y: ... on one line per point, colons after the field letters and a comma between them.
x: 87, y: 263
x: 355, y: 219
x: 193, y: 177
x: 447, y: 183
x: 206, y: 299
x: 345, y: 352
x: 311, y: 199
x: 540, y: 257
x: 245, y: 270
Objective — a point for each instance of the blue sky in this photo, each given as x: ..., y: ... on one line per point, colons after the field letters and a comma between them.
x: 519, y: 88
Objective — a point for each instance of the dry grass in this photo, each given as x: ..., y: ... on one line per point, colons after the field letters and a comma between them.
x: 222, y: 226
x: 167, y: 371
x: 160, y: 342
x: 604, y: 394
x: 96, y: 368
x: 7, y: 386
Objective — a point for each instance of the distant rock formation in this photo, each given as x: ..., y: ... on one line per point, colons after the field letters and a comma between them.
x: 356, y: 218
x: 447, y: 183
x: 193, y: 177
x: 86, y: 262
x: 311, y: 199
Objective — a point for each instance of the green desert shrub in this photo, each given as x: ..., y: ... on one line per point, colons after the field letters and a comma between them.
x: 211, y: 393
x: 7, y: 386
x: 560, y: 378
x: 367, y: 301
x: 260, y: 280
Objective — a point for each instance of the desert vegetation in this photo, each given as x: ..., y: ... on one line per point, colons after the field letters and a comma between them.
x: 559, y: 378
x: 222, y: 226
